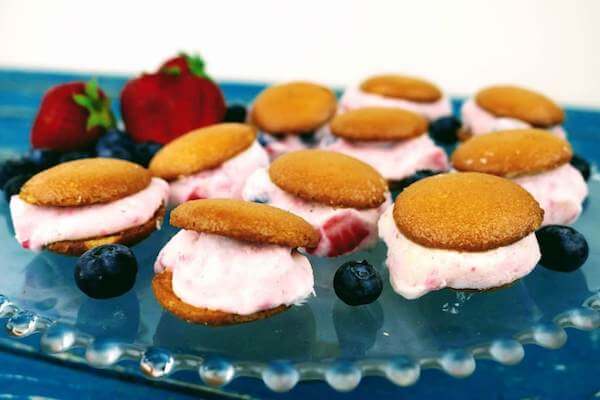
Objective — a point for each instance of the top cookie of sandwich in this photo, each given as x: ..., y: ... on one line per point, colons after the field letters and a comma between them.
x: 516, y: 102
x: 202, y: 149
x: 466, y: 211
x: 512, y: 153
x: 329, y: 178
x: 293, y: 108
x: 85, y: 182
x: 378, y: 124
x: 247, y: 221
x: 402, y: 87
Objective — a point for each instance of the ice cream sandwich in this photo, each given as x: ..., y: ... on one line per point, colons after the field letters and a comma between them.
x: 341, y: 196
x: 505, y: 107
x: 462, y: 230
x: 289, y: 114
x: 233, y: 262
x: 535, y: 159
x: 82, y: 204
x: 398, y: 91
x: 391, y: 140
x: 211, y: 162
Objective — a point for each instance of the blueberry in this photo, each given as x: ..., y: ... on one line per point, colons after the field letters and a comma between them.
x: 263, y: 140
x: 75, y: 155
x: 563, y: 248
x: 43, y: 159
x: 14, y: 184
x: 115, y: 137
x: 445, y: 129
x: 14, y: 167
x: 308, y: 138
x: 357, y: 283
x: 417, y: 176
x: 120, y: 152
x: 235, y: 113
x: 145, y: 151
x: 106, y: 271
x: 582, y: 165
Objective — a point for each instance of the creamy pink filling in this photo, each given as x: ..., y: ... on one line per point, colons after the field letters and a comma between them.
x: 37, y: 226
x: 394, y: 160
x: 343, y: 230
x: 416, y: 270
x: 354, y: 98
x: 478, y: 121
x: 277, y: 146
x: 225, y: 181
x: 229, y: 275
x: 560, y: 193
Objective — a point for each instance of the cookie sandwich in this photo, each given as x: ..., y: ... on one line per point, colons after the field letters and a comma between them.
x: 398, y: 91
x: 462, y: 230
x: 504, y: 107
x: 211, y: 162
x: 233, y: 262
x: 393, y: 141
x: 289, y: 114
x: 341, y: 196
x: 78, y: 205
x: 537, y: 160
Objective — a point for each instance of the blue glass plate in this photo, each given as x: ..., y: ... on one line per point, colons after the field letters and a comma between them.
x: 324, y: 339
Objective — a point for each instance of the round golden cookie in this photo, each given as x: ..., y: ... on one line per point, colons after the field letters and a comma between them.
x: 163, y: 291
x: 378, y: 124
x: 466, y: 211
x: 127, y: 237
x: 512, y: 153
x: 202, y: 149
x: 329, y: 178
x: 516, y: 102
x: 402, y: 87
x: 85, y: 182
x: 293, y: 108
x: 244, y: 220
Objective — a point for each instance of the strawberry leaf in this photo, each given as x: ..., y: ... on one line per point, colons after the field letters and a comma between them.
x: 97, y: 106
x: 175, y: 71
x: 196, y: 65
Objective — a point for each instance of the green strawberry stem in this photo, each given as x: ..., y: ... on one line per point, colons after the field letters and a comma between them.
x: 195, y: 64
x: 98, y: 107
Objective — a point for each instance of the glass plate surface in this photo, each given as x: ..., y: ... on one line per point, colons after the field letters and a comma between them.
x: 323, y: 339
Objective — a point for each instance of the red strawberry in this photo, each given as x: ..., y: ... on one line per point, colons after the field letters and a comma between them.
x: 344, y: 233
x: 184, y: 64
x: 71, y: 116
x: 162, y: 106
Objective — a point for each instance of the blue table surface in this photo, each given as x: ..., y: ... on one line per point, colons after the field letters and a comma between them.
x: 571, y: 372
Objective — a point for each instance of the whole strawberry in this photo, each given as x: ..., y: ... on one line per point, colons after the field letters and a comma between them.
x: 178, y: 98
x: 71, y: 116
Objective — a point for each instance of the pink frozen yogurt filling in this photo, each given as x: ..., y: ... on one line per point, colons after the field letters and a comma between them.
x: 394, y: 160
x: 478, y: 121
x: 354, y: 98
x: 225, y: 181
x: 560, y: 193
x: 416, y: 270
x: 37, y: 226
x: 342, y: 230
x: 229, y: 275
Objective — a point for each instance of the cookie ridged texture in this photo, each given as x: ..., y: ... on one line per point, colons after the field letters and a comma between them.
x: 466, y: 211
x: 512, y: 153
x: 202, y: 149
x: 293, y: 108
x: 329, y: 178
x: 378, y: 124
x: 402, y: 87
x: 247, y: 221
x: 163, y: 291
x: 520, y: 103
x: 127, y: 237
x: 85, y: 182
